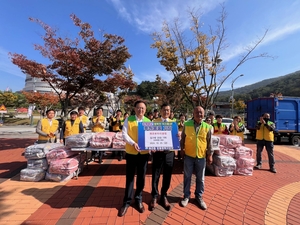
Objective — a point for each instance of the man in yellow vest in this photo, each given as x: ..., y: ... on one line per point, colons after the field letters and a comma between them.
x: 83, y: 118
x: 98, y: 124
x: 71, y: 126
x: 162, y: 160
x: 136, y: 160
x: 196, y: 149
x: 265, y: 138
x: 237, y: 128
x: 48, y: 128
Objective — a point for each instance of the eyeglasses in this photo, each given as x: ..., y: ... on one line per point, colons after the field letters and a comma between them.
x: 208, y: 120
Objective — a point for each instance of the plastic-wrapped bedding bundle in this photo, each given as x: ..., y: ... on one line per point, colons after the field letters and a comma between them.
x: 223, y: 161
x: 102, y: 140
x: 244, y: 171
x: 78, y: 140
x: 243, y: 152
x: 58, y: 177
x: 215, y: 142
x: 225, y: 151
x: 118, y: 141
x: 244, y: 166
x: 245, y: 162
x: 64, y: 166
x: 29, y: 174
x: 223, y: 171
x: 39, y: 151
x: 230, y: 141
x: 223, y: 165
x: 60, y: 153
x: 37, y: 164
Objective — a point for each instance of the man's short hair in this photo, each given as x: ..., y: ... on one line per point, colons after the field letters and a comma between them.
x: 165, y: 105
x: 138, y: 102
x: 49, y: 110
x: 219, y: 116
x: 73, y: 113
x: 81, y: 108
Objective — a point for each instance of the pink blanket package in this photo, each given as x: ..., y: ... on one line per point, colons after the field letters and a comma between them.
x: 64, y: 166
x: 102, y: 140
x: 225, y: 151
x: 230, y: 141
x: 118, y: 142
x: 60, y: 153
x: 243, y: 152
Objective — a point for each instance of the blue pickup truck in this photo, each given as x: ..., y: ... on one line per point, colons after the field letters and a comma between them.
x: 284, y: 112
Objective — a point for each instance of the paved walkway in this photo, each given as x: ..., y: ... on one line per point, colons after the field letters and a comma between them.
x: 95, y: 198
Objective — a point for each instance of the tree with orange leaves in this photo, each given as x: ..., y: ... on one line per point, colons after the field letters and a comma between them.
x: 76, y: 65
x: 41, y: 100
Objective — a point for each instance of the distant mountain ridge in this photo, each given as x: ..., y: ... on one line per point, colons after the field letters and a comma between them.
x: 288, y: 85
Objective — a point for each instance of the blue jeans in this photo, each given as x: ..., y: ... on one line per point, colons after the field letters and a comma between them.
x: 191, y: 164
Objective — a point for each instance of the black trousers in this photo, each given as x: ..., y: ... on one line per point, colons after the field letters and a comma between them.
x: 162, y: 161
x: 135, y: 163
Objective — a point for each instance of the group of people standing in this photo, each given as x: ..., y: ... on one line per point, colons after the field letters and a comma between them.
x: 195, y: 148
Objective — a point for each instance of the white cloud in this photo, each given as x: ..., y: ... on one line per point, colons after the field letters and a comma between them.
x: 148, y: 15
x: 151, y: 75
x: 7, y: 66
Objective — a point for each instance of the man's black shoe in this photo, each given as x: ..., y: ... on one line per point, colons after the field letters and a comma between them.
x: 140, y: 207
x: 165, y: 203
x: 123, y: 210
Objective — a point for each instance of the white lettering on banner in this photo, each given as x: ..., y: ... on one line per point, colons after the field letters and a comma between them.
x: 158, y: 140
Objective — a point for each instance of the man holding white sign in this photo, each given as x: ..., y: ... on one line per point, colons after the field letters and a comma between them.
x: 162, y: 160
x: 136, y: 160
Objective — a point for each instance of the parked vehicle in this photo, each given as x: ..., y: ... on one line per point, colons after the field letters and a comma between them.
x: 227, y: 121
x: 284, y: 112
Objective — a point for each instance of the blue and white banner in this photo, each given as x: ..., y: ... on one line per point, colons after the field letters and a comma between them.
x: 159, y: 136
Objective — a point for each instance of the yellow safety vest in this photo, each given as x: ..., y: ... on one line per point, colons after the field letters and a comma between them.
x: 264, y: 134
x: 132, y: 132
x: 219, y: 130
x: 240, y: 134
x: 71, y: 129
x: 84, y: 119
x: 97, y: 127
x: 116, y: 127
x: 47, y: 128
x: 195, y: 143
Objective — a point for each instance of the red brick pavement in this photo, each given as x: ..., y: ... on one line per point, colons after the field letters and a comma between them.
x: 95, y: 198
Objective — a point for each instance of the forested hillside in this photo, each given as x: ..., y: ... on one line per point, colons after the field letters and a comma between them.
x: 287, y: 85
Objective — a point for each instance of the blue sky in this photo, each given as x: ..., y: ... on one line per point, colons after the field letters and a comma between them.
x: 136, y: 20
